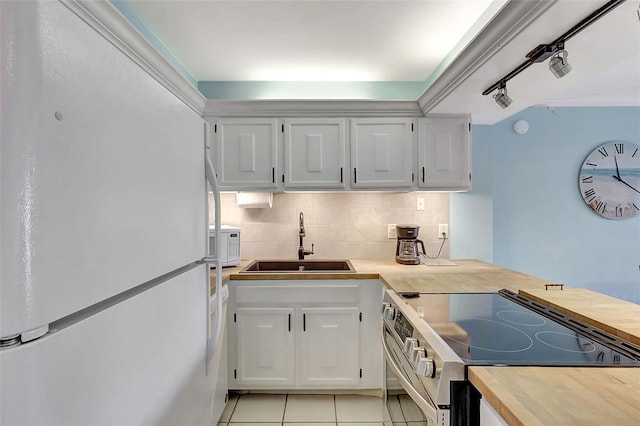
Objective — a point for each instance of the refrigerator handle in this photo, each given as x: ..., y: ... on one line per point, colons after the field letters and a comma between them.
x: 210, y: 176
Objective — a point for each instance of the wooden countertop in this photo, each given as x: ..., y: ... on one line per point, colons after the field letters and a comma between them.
x: 618, y: 317
x: 466, y: 276
x: 560, y: 395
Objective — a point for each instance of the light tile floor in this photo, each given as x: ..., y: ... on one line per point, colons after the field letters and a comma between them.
x: 298, y: 410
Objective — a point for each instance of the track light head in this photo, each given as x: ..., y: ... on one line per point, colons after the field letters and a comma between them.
x: 501, y: 96
x: 558, y: 64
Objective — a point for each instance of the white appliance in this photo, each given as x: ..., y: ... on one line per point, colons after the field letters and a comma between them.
x: 229, y: 242
x: 103, y: 319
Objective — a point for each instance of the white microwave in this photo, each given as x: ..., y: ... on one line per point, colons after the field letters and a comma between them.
x: 230, y: 236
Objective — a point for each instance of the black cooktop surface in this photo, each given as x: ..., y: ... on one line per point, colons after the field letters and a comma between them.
x: 490, y: 329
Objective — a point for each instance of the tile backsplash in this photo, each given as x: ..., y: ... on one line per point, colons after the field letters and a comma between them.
x: 340, y: 225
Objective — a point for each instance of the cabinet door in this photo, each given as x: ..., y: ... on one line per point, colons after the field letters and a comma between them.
x: 381, y: 153
x: 314, y: 153
x: 329, y: 351
x: 246, y: 153
x: 265, y: 346
x: 444, y: 152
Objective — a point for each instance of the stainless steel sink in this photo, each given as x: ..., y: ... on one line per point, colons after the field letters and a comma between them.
x: 290, y: 266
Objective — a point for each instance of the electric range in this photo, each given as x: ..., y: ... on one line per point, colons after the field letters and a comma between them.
x: 441, y: 335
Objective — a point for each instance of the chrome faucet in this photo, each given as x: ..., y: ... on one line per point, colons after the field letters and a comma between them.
x: 301, y: 251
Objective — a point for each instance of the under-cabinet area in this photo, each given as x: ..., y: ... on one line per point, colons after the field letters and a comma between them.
x: 338, y: 153
x: 304, y: 334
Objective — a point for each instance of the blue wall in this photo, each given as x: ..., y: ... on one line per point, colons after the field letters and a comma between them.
x: 525, y: 211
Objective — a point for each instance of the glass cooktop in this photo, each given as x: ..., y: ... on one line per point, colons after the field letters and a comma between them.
x: 491, y: 329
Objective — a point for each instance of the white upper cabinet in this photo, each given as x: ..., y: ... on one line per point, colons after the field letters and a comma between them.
x: 381, y: 153
x: 246, y: 153
x: 314, y: 151
x: 444, y: 153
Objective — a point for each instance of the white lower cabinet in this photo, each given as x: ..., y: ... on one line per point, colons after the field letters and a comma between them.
x: 265, y: 346
x: 330, y: 346
x: 296, y: 334
x: 489, y: 416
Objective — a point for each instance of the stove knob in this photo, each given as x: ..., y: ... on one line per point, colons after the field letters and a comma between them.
x: 426, y: 367
x: 389, y: 313
x: 409, y: 344
x: 417, y: 353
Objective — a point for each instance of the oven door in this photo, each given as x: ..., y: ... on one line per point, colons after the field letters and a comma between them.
x: 406, y: 400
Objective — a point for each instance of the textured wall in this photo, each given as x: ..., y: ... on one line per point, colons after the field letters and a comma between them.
x: 341, y: 225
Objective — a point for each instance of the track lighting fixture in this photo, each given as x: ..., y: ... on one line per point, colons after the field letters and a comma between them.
x: 558, y: 63
x: 555, y: 50
x: 501, y: 96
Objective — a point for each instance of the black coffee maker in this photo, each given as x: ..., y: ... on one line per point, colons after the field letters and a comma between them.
x: 407, y: 251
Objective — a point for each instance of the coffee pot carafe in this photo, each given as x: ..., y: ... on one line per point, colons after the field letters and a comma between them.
x: 407, y: 247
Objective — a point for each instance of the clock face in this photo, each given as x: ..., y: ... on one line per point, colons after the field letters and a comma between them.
x: 610, y: 180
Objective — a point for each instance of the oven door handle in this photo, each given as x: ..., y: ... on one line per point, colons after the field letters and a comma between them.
x: 426, y: 407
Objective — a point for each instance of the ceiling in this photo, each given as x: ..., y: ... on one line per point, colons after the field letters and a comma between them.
x: 388, y: 49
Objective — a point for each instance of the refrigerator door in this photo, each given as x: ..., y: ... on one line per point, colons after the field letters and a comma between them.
x: 140, y: 362
x: 102, y: 170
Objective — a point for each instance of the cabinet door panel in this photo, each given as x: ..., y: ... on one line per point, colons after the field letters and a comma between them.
x: 265, y: 346
x: 444, y: 153
x: 315, y: 153
x: 330, y: 346
x: 246, y: 153
x: 381, y: 153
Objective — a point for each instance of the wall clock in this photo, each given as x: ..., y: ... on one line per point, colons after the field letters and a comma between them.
x: 610, y: 180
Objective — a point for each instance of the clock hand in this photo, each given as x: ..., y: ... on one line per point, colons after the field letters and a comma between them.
x: 621, y: 181
x: 617, y: 171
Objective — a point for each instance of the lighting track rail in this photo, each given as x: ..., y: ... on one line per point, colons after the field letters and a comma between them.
x: 540, y: 53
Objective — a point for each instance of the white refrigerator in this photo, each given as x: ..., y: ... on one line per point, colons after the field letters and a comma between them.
x: 104, y: 294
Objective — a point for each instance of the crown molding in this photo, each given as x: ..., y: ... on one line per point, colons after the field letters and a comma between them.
x: 311, y: 108
x: 102, y: 16
x: 513, y: 18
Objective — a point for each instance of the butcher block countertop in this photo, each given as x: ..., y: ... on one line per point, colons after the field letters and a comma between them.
x: 466, y: 276
x: 561, y: 396
x: 618, y: 317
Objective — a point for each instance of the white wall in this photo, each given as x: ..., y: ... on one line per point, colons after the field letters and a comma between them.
x: 540, y: 225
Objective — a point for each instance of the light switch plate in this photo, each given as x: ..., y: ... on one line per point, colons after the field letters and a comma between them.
x: 420, y: 204
x: 391, y: 231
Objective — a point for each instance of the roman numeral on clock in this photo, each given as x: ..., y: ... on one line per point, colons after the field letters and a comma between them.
x: 587, y: 179
x: 590, y: 194
x: 603, y: 152
x: 602, y: 206
x: 619, y: 148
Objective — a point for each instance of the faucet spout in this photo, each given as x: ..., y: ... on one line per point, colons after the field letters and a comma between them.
x: 302, y: 233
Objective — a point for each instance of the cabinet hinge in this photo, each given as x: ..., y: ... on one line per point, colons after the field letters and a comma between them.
x: 235, y: 373
x: 360, y: 316
x: 234, y: 317
x: 361, y: 373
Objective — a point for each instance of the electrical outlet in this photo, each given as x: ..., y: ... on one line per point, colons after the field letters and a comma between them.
x: 391, y: 231
x: 420, y: 204
x: 443, y: 231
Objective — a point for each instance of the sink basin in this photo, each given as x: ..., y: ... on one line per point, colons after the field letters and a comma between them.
x: 280, y: 266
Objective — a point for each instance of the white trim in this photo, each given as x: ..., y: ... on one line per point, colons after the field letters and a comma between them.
x: 310, y: 108
x: 102, y: 16
x: 514, y: 17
